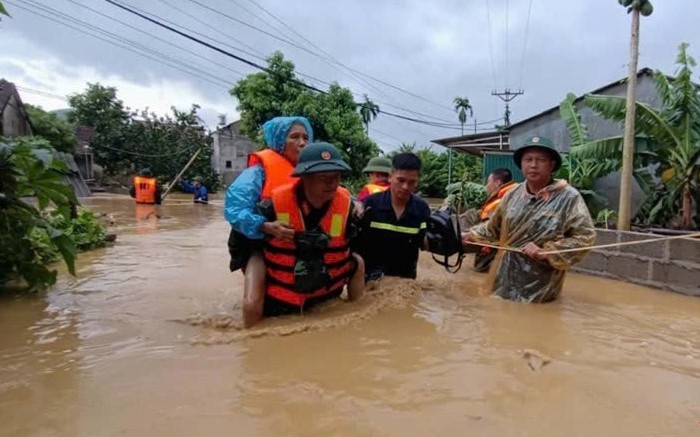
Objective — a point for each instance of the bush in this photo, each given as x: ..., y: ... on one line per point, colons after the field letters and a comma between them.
x: 29, y: 169
x: 85, y: 231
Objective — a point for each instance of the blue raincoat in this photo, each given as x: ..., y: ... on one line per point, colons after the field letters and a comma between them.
x: 243, y: 195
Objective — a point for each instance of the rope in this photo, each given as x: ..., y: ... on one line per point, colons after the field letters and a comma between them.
x: 601, y: 246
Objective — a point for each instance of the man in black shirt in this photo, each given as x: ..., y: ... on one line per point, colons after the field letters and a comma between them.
x: 395, y: 223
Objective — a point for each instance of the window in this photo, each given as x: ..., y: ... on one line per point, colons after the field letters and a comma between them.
x: 228, y: 164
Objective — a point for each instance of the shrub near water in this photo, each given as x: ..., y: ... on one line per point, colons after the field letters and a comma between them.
x: 85, y: 231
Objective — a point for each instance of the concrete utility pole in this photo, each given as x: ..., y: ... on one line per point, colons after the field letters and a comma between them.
x: 507, y: 96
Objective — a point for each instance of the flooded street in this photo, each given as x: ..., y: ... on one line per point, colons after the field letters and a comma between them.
x: 145, y: 342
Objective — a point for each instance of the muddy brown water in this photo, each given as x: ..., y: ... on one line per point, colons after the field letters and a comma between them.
x: 145, y: 342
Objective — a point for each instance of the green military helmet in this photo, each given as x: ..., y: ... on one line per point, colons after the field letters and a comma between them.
x: 198, y: 179
x: 538, y: 143
x: 319, y: 157
x: 378, y: 164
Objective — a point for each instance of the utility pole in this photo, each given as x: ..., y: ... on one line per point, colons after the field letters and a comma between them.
x: 507, y: 96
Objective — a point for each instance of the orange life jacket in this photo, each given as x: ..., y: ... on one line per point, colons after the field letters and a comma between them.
x: 376, y: 188
x: 278, y: 170
x: 280, y: 256
x: 493, y: 202
x: 145, y: 189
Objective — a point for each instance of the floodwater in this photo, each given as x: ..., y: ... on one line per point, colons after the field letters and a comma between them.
x: 144, y: 341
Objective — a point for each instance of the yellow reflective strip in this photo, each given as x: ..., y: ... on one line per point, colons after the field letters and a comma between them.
x: 394, y: 228
x: 283, y: 217
x: 336, y: 225
x: 423, y: 225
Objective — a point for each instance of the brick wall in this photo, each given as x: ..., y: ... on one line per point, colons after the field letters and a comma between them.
x: 669, y: 265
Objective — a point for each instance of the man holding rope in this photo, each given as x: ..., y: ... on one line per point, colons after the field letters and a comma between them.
x: 535, y: 221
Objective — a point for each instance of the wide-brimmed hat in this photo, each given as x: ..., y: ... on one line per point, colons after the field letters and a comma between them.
x: 538, y: 143
x: 378, y: 164
x: 320, y: 157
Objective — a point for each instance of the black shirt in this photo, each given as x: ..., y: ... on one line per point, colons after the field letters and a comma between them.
x: 388, y: 244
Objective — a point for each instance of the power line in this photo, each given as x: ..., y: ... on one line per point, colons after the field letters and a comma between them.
x: 260, y: 67
x: 300, y: 47
x: 331, y: 60
x: 153, y: 36
x: 493, y: 65
x: 108, y: 39
x: 527, y: 30
x: 507, y: 32
x: 41, y: 93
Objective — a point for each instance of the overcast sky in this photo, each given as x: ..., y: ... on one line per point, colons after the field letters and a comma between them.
x: 432, y: 50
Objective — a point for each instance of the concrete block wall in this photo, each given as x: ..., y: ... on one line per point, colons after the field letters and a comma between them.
x: 669, y: 265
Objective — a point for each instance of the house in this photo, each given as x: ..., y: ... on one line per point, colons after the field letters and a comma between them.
x: 14, y: 121
x: 230, y: 151
x: 498, y: 146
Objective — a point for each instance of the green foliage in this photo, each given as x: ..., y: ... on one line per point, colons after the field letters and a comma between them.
x: 433, y: 180
x: 126, y: 141
x: 582, y: 173
x: 85, y: 232
x: 54, y: 130
x: 462, y: 106
x: 333, y: 115
x: 28, y: 170
x: 673, y: 133
x: 368, y: 111
x: 3, y: 11
x: 605, y: 217
x: 466, y: 195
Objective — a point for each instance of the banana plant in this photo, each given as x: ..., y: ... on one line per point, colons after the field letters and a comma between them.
x: 673, y: 131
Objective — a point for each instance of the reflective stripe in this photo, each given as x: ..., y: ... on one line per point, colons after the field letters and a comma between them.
x: 336, y: 225
x: 423, y: 225
x: 283, y: 217
x: 395, y: 228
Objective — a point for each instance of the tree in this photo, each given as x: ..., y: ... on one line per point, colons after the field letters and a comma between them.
x: 126, y: 141
x: 28, y: 169
x: 673, y: 133
x: 54, y: 130
x: 333, y: 114
x: 636, y: 7
x: 462, y: 106
x: 3, y: 11
x: 369, y: 111
x: 98, y: 107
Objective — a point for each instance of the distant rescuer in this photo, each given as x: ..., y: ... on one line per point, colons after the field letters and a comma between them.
x: 542, y: 214
x: 199, y: 191
x: 145, y: 188
x: 315, y: 263
x: 378, y: 170
x: 499, y: 183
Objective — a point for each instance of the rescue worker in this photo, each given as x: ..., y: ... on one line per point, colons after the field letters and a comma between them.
x: 394, y: 223
x: 270, y: 168
x: 314, y: 262
x: 378, y: 169
x: 201, y: 195
x: 499, y: 183
x: 145, y: 188
x: 541, y: 215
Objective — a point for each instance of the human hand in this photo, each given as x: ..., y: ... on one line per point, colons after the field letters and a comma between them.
x: 535, y: 252
x: 358, y: 209
x: 278, y: 229
x: 467, y: 238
